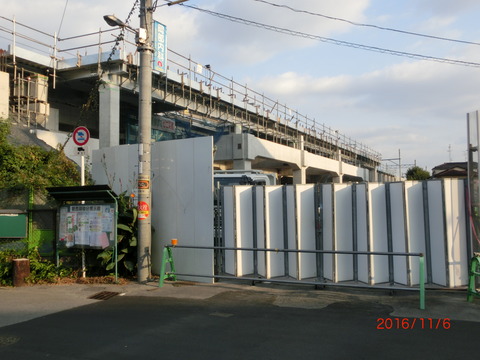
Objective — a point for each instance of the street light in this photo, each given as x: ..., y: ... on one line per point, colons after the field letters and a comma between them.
x: 112, y: 20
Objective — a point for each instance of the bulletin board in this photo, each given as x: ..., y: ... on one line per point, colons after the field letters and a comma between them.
x: 87, y: 226
x: 13, y: 224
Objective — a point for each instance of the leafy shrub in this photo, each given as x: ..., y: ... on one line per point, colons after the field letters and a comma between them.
x: 126, y: 240
x: 41, y: 270
x: 6, y: 266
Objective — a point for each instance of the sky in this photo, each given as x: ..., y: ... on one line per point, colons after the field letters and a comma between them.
x: 388, y: 102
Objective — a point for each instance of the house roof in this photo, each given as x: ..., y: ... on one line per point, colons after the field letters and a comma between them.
x: 451, y: 165
x: 451, y: 169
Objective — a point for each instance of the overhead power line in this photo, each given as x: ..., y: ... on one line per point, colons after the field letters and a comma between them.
x: 63, y: 17
x: 368, y: 25
x: 334, y: 41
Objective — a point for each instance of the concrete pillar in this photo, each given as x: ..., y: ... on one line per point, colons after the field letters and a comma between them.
x: 300, y: 176
x: 240, y: 144
x: 242, y: 164
x: 109, y: 115
x: 53, y: 120
x: 337, y: 179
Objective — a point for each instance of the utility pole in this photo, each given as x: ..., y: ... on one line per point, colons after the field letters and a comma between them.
x: 144, y: 46
x: 145, y: 49
x: 399, y: 166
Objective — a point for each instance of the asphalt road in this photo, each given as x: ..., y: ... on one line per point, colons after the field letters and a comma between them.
x: 237, y: 324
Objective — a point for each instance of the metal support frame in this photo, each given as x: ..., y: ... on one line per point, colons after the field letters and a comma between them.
x: 167, y: 258
x: 426, y: 220
x: 254, y: 230
x: 319, y: 229
x: 388, y: 202
x: 285, y: 228
x: 354, y: 231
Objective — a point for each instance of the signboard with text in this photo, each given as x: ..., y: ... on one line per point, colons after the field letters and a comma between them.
x: 160, y: 47
x: 87, y: 226
x: 143, y: 210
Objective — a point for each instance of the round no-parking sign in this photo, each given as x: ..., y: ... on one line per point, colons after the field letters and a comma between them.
x: 81, y: 135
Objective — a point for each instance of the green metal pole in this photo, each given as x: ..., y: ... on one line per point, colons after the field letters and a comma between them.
x: 471, y: 281
x: 472, y: 291
x: 422, y: 281
x: 31, y: 198
x: 162, y: 268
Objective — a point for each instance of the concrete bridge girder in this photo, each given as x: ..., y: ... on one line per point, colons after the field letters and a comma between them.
x: 266, y: 155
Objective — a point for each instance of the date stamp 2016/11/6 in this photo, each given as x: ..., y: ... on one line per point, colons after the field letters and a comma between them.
x: 413, y: 323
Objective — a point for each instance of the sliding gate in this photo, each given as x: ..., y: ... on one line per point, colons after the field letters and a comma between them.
x: 316, y: 222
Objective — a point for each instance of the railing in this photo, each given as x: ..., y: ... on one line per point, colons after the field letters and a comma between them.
x: 285, y: 117
x: 273, y: 109
x: 421, y: 277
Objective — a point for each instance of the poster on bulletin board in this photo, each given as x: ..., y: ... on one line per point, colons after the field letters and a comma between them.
x: 87, y: 226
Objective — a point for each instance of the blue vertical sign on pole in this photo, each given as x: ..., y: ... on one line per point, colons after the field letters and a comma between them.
x: 160, y: 44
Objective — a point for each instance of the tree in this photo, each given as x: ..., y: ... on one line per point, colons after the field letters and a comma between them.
x: 31, y: 167
x: 417, y: 173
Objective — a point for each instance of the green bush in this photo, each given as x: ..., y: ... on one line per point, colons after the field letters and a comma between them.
x: 6, y: 266
x: 41, y: 270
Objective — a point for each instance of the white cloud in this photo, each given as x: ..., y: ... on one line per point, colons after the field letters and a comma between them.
x: 447, y: 7
x: 235, y: 43
x: 419, y: 107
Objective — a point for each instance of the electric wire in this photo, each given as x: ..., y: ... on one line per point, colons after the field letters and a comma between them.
x: 63, y: 17
x: 333, y: 41
x: 368, y: 25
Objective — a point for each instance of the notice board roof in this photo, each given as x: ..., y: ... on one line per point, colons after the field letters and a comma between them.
x: 80, y: 193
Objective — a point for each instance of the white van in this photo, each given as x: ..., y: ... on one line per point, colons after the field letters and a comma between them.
x: 242, y: 177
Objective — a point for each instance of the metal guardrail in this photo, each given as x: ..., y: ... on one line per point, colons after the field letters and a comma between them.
x: 421, y: 288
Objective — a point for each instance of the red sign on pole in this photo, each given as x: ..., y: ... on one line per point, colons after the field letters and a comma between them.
x: 81, y: 135
x: 143, y: 210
